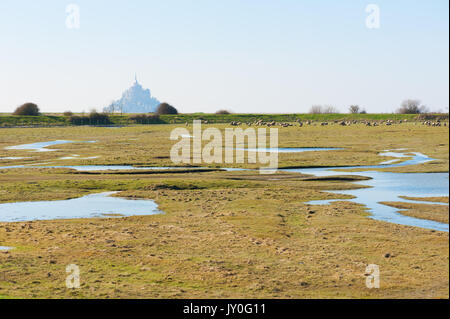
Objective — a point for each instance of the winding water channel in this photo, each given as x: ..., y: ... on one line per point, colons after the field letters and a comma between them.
x: 383, y: 186
x: 388, y: 187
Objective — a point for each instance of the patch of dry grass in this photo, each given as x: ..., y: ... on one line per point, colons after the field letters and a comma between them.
x: 149, y: 145
x: 428, y: 199
x: 437, y: 213
x: 223, y: 234
x: 258, y: 241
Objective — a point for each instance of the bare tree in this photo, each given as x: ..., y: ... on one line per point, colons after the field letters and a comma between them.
x: 316, y: 109
x: 354, y: 109
x: 411, y: 107
x: 329, y: 109
x: 323, y: 109
x: 112, y: 107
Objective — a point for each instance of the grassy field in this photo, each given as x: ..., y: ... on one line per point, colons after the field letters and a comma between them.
x: 437, y: 213
x: 149, y: 145
x: 55, y: 119
x: 223, y: 234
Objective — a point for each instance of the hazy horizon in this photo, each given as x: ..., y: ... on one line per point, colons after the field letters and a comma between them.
x: 244, y: 56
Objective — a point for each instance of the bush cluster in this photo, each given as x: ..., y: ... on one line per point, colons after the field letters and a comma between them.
x: 145, y: 119
x: 93, y: 118
x: 165, y: 108
x: 29, y: 109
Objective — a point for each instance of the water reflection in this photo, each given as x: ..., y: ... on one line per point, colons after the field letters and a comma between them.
x: 41, y: 146
x: 387, y: 187
x: 94, y: 205
x: 289, y: 149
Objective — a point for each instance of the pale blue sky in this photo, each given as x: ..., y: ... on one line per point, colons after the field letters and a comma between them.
x: 243, y: 55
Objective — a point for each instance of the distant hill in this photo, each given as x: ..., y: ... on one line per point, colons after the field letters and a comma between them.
x: 134, y: 100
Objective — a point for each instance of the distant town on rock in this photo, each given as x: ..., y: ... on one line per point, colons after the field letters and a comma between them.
x: 134, y: 100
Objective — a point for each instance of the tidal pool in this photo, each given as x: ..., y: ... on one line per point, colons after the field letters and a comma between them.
x: 387, y: 187
x: 109, y: 167
x: 42, y: 146
x: 383, y: 186
x: 289, y: 149
x: 89, y: 206
x: 121, y: 167
x: 38, y: 147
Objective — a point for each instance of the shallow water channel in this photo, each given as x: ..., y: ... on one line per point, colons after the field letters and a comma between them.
x: 383, y: 186
x: 42, y: 146
x: 387, y: 187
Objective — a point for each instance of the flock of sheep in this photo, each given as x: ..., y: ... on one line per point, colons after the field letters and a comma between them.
x: 335, y: 122
x: 437, y: 123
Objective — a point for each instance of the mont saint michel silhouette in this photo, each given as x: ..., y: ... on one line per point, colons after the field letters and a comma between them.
x: 134, y: 100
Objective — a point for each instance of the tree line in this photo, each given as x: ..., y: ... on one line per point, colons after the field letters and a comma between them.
x: 96, y: 118
x: 409, y: 106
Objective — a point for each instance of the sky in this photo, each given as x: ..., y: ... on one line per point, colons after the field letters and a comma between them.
x: 247, y: 56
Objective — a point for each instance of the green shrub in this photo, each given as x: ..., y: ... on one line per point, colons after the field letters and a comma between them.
x: 29, y: 109
x: 165, y: 108
x: 223, y: 112
x: 93, y: 118
x: 145, y: 119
